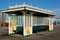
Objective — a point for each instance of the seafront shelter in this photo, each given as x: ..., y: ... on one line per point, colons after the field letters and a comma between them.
x: 26, y: 19
x: 57, y: 21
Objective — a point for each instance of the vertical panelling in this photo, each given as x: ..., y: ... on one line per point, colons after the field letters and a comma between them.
x: 19, y: 20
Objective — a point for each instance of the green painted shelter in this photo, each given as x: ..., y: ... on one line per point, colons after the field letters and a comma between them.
x: 27, y: 19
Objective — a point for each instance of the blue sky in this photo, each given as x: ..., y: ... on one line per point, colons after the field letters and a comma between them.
x: 53, y: 5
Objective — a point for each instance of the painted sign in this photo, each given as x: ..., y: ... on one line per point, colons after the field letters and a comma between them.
x: 28, y: 25
x: 12, y: 26
x: 50, y: 24
x: 28, y: 30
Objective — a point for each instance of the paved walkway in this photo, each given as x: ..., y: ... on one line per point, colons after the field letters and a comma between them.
x: 55, y: 35
x: 3, y: 30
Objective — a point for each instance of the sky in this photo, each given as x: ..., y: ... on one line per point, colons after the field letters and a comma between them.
x: 53, y: 5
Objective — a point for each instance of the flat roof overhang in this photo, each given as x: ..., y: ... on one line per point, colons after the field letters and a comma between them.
x: 28, y: 8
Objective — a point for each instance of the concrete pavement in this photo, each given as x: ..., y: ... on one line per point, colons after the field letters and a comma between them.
x: 54, y: 35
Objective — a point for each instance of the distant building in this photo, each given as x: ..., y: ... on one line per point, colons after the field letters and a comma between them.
x: 57, y: 21
x: 27, y: 19
x: 0, y: 18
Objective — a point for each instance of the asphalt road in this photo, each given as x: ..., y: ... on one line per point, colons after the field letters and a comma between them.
x: 54, y: 35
